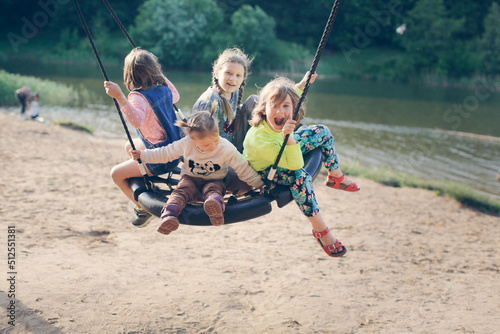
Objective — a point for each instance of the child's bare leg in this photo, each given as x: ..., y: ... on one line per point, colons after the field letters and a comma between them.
x: 121, y: 172
x: 319, y: 225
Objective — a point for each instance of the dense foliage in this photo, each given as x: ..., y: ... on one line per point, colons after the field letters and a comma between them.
x: 178, y: 30
x: 51, y: 92
x: 452, y: 38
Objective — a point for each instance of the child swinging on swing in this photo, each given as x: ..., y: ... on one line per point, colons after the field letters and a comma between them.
x: 207, y: 157
x: 149, y: 109
x: 271, y: 121
x: 223, y: 98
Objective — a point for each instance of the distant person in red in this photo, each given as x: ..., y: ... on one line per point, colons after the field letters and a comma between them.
x: 24, y: 96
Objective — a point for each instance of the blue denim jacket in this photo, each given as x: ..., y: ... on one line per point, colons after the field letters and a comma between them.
x: 160, y: 99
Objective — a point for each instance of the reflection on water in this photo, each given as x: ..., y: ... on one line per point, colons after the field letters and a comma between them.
x: 376, y: 124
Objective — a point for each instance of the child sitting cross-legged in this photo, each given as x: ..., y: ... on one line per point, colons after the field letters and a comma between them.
x: 206, y: 160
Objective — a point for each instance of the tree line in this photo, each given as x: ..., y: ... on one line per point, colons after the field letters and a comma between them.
x: 453, y: 38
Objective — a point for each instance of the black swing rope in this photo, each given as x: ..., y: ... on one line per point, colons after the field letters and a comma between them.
x: 101, y: 66
x: 119, y: 23
x: 319, y: 51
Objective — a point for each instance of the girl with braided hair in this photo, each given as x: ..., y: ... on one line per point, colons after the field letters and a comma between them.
x: 223, y: 97
x: 223, y: 100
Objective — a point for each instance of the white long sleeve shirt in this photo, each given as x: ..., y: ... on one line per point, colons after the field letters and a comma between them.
x: 207, y: 165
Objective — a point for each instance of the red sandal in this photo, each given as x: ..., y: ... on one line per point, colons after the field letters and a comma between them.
x: 336, y: 183
x: 330, y: 248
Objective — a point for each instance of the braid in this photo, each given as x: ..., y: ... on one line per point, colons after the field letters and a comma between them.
x: 226, y: 107
x: 240, y: 95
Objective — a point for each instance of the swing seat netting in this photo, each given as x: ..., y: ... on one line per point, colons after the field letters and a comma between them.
x: 238, y: 209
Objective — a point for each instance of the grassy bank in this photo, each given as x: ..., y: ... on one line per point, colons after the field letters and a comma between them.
x: 52, y: 93
x: 456, y: 190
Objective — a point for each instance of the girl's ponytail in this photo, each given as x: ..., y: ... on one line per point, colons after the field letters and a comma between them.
x: 200, y: 122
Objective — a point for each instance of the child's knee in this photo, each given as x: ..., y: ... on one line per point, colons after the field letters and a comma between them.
x: 323, y: 129
x: 113, y: 173
x: 216, y: 187
x: 116, y: 174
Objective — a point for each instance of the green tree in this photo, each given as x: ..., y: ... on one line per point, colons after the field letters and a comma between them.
x: 177, y: 31
x: 370, y: 22
x: 64, y: 16
x: 296, y: 20
x: 474, y: 13
x: 428, y: 39
x: 490, y: 41
x: 253, y: 29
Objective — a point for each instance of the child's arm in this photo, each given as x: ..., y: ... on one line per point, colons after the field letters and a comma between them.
x: 113, y: 90
x: 242, y: 168
x: 288, y: 129
x: 302, y: 82
x: 175, y: 93
x: 162, y: 154
x: 134, y: 110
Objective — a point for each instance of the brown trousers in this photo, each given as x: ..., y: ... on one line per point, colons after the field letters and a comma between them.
x: 190, y: 188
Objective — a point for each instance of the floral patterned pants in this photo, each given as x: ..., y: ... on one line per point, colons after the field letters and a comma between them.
x: 299, y: 180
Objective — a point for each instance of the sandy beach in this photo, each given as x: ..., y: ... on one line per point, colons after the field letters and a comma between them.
x: 416, y: 262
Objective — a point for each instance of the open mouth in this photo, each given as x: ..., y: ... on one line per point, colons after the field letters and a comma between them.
x: 279, y: 121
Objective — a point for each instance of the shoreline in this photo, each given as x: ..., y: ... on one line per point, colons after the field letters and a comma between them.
x: 470, y: 135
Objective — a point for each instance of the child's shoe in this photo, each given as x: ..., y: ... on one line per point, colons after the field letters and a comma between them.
x: 336, y: 183
x: 141, y: 217
x: 333, y: 250
x: 169, y: 221
x: 214, y: 208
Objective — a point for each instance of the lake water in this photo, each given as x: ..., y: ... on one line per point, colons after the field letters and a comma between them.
x: 413, y: 128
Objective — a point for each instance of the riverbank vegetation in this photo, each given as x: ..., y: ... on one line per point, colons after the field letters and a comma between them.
x: 52, y: 93
x: 445, y: 40
x: 74, y: 126
x: 455, y: 190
